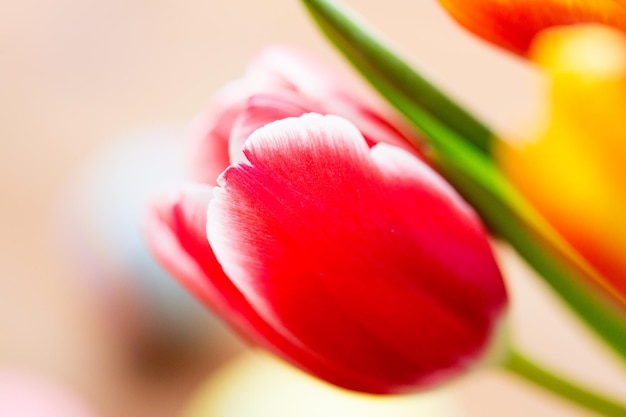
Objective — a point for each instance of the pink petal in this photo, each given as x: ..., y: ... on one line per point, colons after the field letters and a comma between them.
x: 175, y: 231
x: 209, y: 132
x: 312, y: 80
x: 262, y: 109
x: 23, y: 394
x: 375, y: 125
x: 367, y: 258
x: 296, y: 70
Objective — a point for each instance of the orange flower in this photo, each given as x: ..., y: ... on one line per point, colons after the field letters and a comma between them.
x: 574, y: 172
x: 513, y: 24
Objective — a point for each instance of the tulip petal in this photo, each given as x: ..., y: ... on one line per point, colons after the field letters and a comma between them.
x: 297, y: 71
x: 514, y: 24
x: 210, y: 132
x: 265, y: 108
x: 262, y: 109
x: 366, y: 257
x: 175, y: 231
x: 313, y: 82
x: 374, y: 127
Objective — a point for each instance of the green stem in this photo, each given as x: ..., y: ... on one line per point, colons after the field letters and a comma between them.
x: 368, y: 53
x: 527, y: 369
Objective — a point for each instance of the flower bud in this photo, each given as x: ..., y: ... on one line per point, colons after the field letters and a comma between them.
x: 357, y: 264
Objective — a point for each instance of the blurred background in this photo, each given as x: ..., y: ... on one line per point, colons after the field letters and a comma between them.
x: 95, y: 99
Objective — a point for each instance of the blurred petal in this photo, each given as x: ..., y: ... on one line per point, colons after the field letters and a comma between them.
x: 513, y: 24
x: 297, y: 71
x: 26, y: 395
x: 211, y: 131
x: 266, y: 383
x: 347, y: 251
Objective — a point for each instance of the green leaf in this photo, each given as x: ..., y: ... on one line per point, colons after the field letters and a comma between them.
x: 463, y: 161
x: 371, y: 55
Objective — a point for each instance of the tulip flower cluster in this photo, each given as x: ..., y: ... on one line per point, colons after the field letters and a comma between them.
x: 350, y: 242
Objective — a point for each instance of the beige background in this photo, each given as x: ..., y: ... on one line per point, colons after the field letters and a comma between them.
x: 76, y: 74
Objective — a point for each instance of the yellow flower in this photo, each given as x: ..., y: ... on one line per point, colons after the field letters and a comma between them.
x: 574, y: 171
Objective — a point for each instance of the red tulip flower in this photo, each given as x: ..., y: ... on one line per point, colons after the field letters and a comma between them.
x: 513, y: 24
x: 350, y: 258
